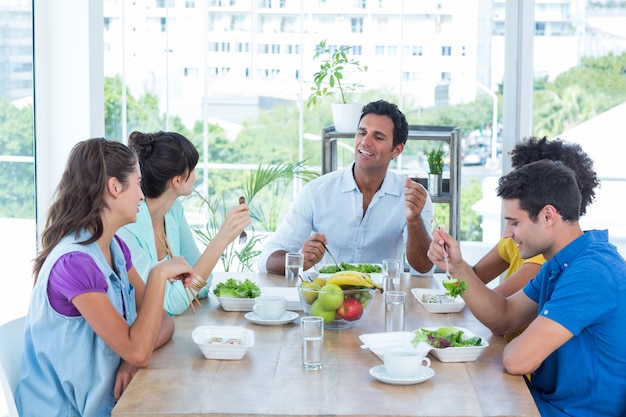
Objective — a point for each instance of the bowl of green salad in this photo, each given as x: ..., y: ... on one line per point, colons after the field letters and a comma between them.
x: 451, y: 343
x: 375, y: 271
x: 236, y: 295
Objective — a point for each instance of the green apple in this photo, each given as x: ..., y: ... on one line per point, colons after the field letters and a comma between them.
x: 309, y: 296
x: 317, y: 310
x: 330, y: 297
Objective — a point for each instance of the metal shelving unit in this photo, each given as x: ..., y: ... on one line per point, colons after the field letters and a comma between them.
x: 449, y: 134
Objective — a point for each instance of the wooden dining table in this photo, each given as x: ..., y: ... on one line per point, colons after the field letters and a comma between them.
x: 270, y: 381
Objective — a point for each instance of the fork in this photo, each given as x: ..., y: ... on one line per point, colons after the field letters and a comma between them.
x: 243, y: 237
x: 331, y: 256
x: 434, y: 224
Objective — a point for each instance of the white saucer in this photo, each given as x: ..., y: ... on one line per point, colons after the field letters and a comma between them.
x: 288, y: 317
x: 380, y: 373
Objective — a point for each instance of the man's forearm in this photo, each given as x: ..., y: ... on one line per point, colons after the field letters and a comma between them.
x: 276, y: 263
x: 417, y: 247
x: 485, y: 304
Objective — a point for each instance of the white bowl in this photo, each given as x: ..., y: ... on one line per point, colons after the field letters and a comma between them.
x: 236, y: 304
x: 245, y: 304
x: 454, y: 306
x: 223, y: 342
x: 459, y: 354
x: 378, y: 343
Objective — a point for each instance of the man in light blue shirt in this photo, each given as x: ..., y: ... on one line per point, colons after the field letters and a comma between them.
x: 364, y: 213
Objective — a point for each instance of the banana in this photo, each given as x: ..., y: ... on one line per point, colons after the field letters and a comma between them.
x: 374, y: 285
x: 350, y: 278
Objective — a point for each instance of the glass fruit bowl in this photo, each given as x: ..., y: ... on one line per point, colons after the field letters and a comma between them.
x: 340, y: 308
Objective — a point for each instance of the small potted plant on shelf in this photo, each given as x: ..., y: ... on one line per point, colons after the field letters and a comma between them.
x: 434, y: 157
x: 330, y: 82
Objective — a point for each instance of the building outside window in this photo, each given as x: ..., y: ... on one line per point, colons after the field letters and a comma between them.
x: 357, y: 25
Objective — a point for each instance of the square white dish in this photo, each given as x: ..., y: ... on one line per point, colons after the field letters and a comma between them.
x: 379, y: 342
x: 223, y: 342
x: 245, y: 304
x: 444, y: 307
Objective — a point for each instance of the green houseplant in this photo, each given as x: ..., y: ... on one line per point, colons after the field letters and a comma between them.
x: 434, y: 157
x: 435, y: 160
x: 330, y: 82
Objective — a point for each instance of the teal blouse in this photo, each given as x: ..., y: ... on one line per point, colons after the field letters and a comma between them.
x: 139, y: 237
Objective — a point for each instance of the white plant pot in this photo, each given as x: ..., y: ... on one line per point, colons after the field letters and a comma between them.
x: 346, y: 116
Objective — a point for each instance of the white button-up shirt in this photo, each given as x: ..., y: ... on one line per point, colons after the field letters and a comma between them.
x: 333, y: 205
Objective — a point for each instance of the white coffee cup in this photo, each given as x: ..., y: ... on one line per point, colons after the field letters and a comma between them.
x: 270, y: 307
x: 404, y: 363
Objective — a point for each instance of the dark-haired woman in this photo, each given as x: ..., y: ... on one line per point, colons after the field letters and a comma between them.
x: 167, y: 161
x: 91, y: 321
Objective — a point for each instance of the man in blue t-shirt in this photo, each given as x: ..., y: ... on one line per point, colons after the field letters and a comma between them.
x: 575, y: 307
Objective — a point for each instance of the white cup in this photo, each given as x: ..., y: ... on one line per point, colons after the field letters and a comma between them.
x: 270, y: 307
x: 404, y: 363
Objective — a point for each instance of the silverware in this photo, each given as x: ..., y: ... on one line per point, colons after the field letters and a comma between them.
x: 435, y: 226
x: 243, y: 237
x: 331, y: 256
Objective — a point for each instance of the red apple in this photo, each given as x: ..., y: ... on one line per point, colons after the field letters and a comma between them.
x: 350, y: 310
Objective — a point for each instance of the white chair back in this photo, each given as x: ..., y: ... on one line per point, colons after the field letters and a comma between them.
x: 11, y: 347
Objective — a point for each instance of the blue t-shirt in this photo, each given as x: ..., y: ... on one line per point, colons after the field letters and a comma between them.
x: 583, y: 288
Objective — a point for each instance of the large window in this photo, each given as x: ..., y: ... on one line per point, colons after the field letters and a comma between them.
x: 234, y: 75
x: 17, y: 168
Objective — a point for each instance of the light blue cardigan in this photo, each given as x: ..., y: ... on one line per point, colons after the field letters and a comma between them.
x: 139, y: 237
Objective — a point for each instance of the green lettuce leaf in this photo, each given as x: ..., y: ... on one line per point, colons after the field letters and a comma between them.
x: 445, y: 337
x: 237, y: 289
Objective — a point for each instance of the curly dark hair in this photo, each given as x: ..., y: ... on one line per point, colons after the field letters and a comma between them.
x: 384, y: 108
x: 570, y: 154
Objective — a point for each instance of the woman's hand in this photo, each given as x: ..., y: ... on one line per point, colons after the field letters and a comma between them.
x: 237, y: 219
x: 125, y: 374
x: 174, y: 269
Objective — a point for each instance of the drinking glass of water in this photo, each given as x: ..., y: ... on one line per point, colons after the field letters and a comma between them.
x: 394, y: 310
x: 391, y: 273
x: 312, y: 342
x: 294, y: 263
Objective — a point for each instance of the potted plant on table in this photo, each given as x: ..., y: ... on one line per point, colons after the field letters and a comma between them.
x: 434, y: 157
x: 329, y: 82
